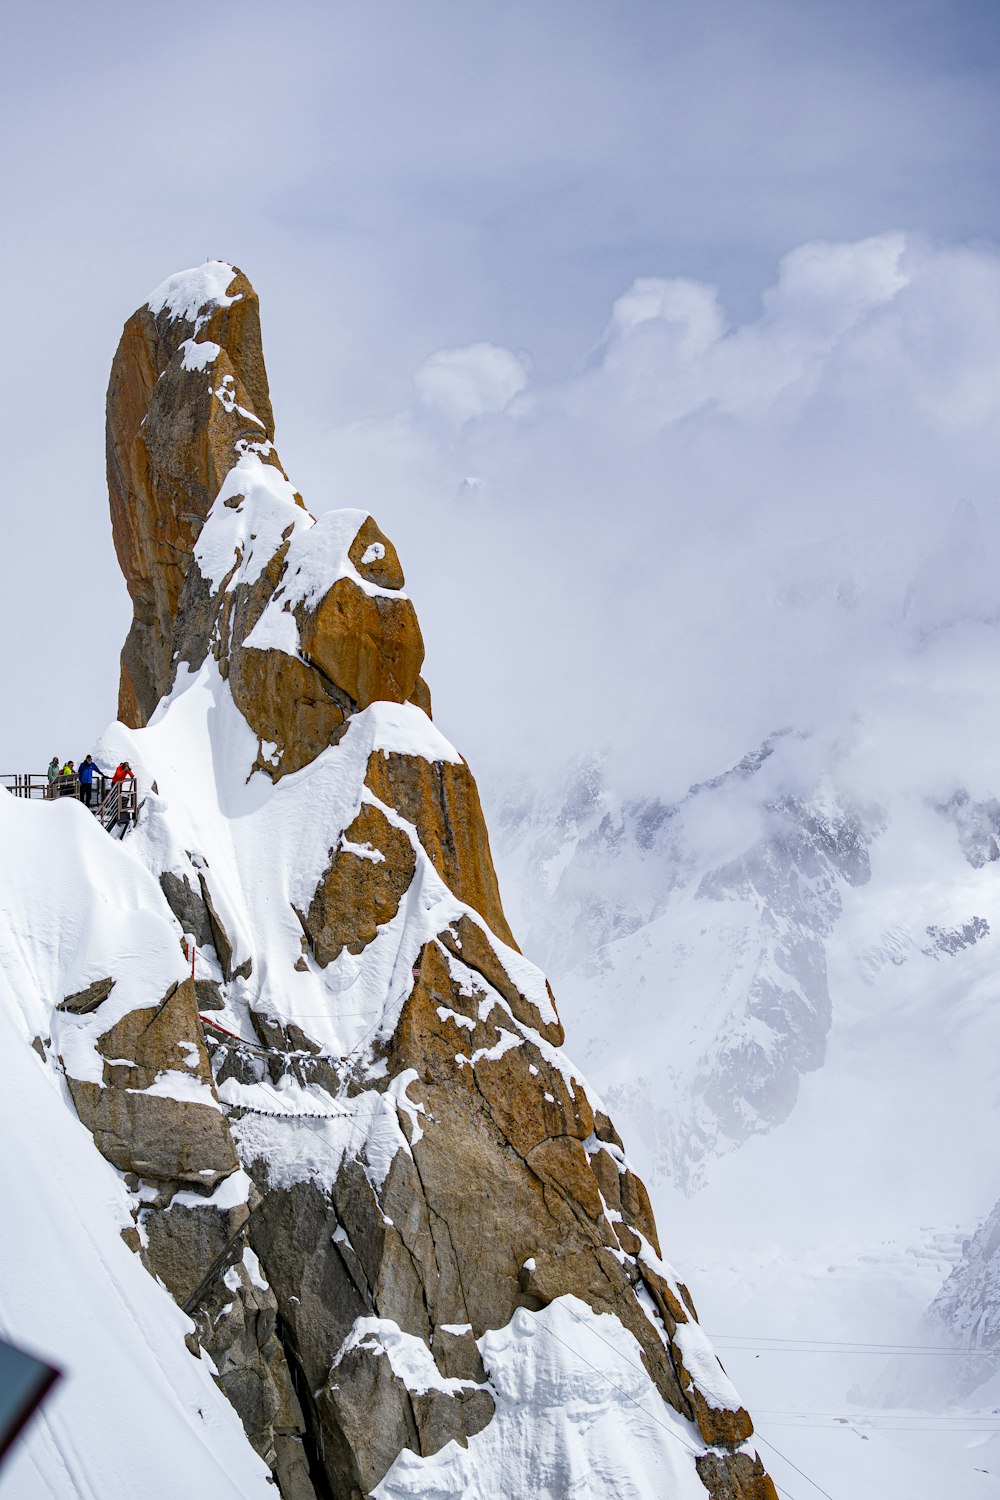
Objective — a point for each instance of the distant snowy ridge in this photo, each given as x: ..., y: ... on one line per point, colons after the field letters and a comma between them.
x: 713, y: 919
x: 964, y: 1316
x: 740, y: 963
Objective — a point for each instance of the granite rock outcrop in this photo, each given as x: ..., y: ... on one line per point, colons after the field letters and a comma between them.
x: 379, y: 1154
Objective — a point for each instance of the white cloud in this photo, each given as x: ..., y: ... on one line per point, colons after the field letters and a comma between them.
x: 425, y: 179
x: 689, y: 306
x: 829, y: 286
x: 470, y: 382
x: 710, y: 530
x: 668, y: 352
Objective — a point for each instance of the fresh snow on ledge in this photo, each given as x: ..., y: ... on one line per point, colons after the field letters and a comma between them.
x: 198, y: 354
x: 409, y: 1357
x: 577, y: 1417
x: 403, y: 729
x: 186, y: 292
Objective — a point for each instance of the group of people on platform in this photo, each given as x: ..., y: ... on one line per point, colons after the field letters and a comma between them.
x: 70, y: 781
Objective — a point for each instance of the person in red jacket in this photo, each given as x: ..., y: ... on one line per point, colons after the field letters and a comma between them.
x: 123, y: 773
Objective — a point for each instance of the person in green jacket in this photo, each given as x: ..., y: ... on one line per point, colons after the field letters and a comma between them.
x: 53, y: 776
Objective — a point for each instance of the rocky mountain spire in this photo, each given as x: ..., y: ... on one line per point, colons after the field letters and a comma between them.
x: 357, y: 1154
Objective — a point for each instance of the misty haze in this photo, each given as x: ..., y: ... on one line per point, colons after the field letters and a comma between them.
x: 500, y: 812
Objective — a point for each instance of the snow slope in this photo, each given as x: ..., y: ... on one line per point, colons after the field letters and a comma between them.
x: 133, y: 1403
x: 577, y: 1412
x: 592, y: 1426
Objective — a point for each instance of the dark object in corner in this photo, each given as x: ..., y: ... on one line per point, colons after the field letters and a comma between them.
x: 24, y: 1384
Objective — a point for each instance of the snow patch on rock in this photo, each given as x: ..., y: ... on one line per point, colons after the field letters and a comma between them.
x: 576, y: 1416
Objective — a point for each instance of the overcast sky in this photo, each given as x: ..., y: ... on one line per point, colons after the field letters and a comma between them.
x: 641, y: 327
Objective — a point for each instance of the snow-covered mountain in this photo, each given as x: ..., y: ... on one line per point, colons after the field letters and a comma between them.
x: 326, y: 1134
x: 333, y: 1210
x: 783, y: 978
x: 717, y: 948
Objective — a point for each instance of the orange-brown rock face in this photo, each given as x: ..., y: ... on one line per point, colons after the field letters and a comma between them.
x: 370, y: 647
x: 172, y: 436
x: 368, y: 877
x: 433, y: 1184
x: 441, y: 800
x: 188, y: 405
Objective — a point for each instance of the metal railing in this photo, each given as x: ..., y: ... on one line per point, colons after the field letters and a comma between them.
x: 28, y: 784
x: 120, y: 805
x: 113, y: 803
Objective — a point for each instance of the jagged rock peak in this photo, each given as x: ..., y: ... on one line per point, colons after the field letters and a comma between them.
x: 307, y: 619
x: 429, y: 1204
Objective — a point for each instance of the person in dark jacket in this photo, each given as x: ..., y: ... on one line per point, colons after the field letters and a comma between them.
x: 87, y: 773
